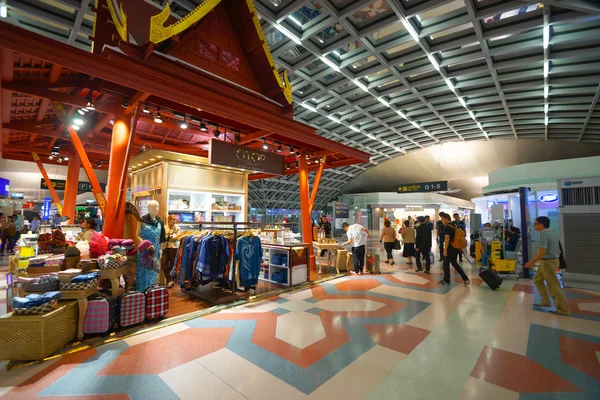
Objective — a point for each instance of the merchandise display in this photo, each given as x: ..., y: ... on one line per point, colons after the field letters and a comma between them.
x: 285, y: 264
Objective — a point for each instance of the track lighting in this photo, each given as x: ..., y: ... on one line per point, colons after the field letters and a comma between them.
x: 90, y: 103
x: 81, y: 111
x: 99, y: 164
x: 75, y: 127
x: 238, y: 137
x: 145, y: 110
x: 217, y: 133
x: 265, y: 145
x: 125, y: 104
x: 292, y: 150
x: 66, y: 158
x: 158, y: 118
x: 298, y: 153
x: 183, y: 124
x: 51, y: 157
x: 78, y: 121
x: 279, y: 149
x: 203, y: 126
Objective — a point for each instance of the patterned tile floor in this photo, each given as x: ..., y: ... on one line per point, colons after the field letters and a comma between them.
x: 392, y: 336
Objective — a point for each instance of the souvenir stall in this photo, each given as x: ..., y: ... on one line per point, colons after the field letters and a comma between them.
x: 180, y: 89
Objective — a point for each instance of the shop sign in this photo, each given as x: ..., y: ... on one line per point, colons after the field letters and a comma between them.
x: 414, y: 208
x: 342, y: 210
x: 490, y: 204
x: 549, y: 198
x: 439, y: 186
x: 61, y: 184
x: 4, y: 187
x: 46, y: 209
x: 28, y: 206
x: 17, y: 195
x: 236, y: 156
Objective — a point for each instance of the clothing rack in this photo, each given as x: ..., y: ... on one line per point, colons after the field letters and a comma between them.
x: 220, y: 226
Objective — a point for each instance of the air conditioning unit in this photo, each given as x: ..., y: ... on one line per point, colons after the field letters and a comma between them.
x: 579, y: 214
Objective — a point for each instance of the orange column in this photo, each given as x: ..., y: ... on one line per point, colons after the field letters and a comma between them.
x: 114, y: 216
x: 305, y: 206
x: 316, y: 183
x: 71, y: 187
x: 55, y: 198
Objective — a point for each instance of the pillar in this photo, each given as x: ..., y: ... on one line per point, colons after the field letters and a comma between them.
x: 113, y: 223
x: 525, y: 223
x: 305, y: 210
x: 71, y: 187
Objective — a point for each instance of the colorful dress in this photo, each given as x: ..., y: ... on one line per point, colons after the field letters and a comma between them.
x: 144, y: 277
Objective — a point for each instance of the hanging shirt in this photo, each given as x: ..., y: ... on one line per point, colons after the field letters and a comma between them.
x: 249, y: 253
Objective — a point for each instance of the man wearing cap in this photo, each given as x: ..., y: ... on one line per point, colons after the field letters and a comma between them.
x: 358, y: 237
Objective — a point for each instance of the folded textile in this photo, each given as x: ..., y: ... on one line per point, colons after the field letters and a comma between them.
x: 127, y: 243
x: 114, y: 242
x: 22, y: 279
x: 33, y: 300
x: 48, y: 278
x: 66, y: 276
x: 86, y: 277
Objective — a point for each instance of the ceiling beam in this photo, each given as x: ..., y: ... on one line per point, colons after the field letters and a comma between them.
x: 589, y: 114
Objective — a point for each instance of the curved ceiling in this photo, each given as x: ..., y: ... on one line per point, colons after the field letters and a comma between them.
x: 464, y: 165
x: 393, y: 77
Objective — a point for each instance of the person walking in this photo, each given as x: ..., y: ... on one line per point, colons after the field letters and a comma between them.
x: 408, y: 236
x: 423, y: 245
x: 169, y: 247
x: 358, y: 237
x: 388, y: 236
x: 460, y: 224
x: 35, y: 224
x: 439, y: 227
x: 548, y: 253
x: 450, y: 253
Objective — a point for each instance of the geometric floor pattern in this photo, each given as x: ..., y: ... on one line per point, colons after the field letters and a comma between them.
x: 398, y: 335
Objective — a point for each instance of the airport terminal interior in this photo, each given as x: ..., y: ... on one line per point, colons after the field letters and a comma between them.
x: 300, y: 199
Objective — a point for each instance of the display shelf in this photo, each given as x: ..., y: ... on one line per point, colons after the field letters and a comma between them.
x: 297, y: 268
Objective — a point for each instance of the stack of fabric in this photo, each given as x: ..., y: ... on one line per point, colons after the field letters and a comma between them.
x: 281, y: 276
x: 34, y: 300
x: 68, y: 275
x: 85, y: 277
x: 38, y: 261
x: 279, y: 259
x: 128, y: 246
x: 55, y: 261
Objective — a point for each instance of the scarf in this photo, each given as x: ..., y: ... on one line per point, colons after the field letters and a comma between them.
x: 147, y: 219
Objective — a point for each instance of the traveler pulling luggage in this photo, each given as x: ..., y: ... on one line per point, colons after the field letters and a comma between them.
x: 488, y: 275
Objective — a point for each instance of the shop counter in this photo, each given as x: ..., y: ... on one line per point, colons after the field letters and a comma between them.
x: 285, y: 264
x: 330, y: 248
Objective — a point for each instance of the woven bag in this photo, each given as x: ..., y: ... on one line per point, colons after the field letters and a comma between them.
x: 51, y: 286
x: 42, y: 309
x: 79, y: 285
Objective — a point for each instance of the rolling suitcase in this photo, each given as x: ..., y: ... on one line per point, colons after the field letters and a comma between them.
x: 101, y: 314
x: 372, y: 263
x: 490, y: 277
x: 132, y: 308
x: 157, y: 302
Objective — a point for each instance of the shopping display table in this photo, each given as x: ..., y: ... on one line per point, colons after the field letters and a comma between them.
x: 113, y: 276
x: 329, y: 247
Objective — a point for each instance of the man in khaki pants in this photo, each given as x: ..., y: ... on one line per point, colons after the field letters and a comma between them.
x: 547, y: 255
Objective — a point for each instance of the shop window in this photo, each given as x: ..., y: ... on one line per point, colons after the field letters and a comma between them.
x: 232, y: 61
x: 209, y: 50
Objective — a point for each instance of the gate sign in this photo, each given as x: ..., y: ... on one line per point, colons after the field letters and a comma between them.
x: 342, y: 209
x: 61, y: 184
x: 46, y: 209
x: 439, y: 186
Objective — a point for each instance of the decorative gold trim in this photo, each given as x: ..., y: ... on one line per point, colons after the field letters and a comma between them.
x: 285, y: 83
x: 160, y: 33
x: 120, y: 23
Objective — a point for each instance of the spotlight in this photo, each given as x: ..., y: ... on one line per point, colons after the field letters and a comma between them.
x: 203, y: 127
x: 279, y: 149
x: 145, y: 110
x: 75, y: 127
x: 90, y: 103
x: 125, y: 104
x: 184, y: 125
x: 292, y: 150
x: 158, y: 118
x: 238, y: 137
x: 99, y: 164
x: 265, y: 145
x: 287, y: 166
x: 78, y: 121
x: 60, y: 160
x: 66, y: 158
x: 217, y: 133
x: 51, y: 157
x: 298, y: 153
x: 81, y: 111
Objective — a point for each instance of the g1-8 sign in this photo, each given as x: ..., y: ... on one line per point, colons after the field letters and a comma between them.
x: 439, y: 186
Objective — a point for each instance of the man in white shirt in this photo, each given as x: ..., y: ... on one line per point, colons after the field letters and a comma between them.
x: 357, y: 236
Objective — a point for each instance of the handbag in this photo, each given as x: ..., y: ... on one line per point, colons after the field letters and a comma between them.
x: 397, y: 245
x: 561, y: 258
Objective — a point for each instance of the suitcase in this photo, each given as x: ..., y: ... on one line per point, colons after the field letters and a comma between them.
x: 132, y: 308
x: 157, y: 302
x: 490, y: 277
x: 101, y: 314
x: 340, y: 260
x: 372, y: 263
x: 431, y: 258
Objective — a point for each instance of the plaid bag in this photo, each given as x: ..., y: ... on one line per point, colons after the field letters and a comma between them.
x: 157, y: 302
x: 132, y: 306
x: 100, y: 315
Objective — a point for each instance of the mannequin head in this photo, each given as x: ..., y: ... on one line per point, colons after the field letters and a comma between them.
x: 153, y: 208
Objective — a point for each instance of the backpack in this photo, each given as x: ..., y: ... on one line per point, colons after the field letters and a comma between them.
x: 460, y: 238
x: 98, y: 245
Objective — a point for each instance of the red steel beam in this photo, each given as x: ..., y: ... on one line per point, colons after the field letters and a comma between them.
x: 37, y: 160
x: 316, y: 183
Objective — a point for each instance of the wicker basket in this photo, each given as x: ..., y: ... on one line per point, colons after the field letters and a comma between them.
x: 88, y: 265
x: 37, y: 310
x: 40, y: 287
x: 78, y: 286
x: 104, y: 265
x: 43, y: 270
x: 71, y: 262
x: 34, y: 337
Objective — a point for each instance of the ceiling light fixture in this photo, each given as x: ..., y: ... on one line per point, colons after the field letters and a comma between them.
x: 355, y: 129
x: 183, y: 124
x: 546, y: 120
x: 265, y: 145
x: 203, y: 127
x: 383, y: 101
x: 78, y: 121
x: 298, y: 153
x: 334, y: 119
x: 449, y: 84
x: 330, y: 63
x: 279, y: 148
x: 238, y: 136
x: 546, y: 68
x: 546, y: 108
x: 337, y: 53
x: 462, y: 102
x: 308, y: 107
x: 361, y: 85
x: 217, y: 133
x: 99, y: 165
x: 287, y: 33
x: 75, y: 127
x: 146, y: 110
x: 81, y: 112
x: 546, y: 36
x: 158, y: 118
x: 294, y: 20
x: 3, y: 11
x: 90, y: 103
x: 433, y: 61
x: 546, y: 90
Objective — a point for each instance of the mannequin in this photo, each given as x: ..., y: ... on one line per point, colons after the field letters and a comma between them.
x: 150, y: 228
